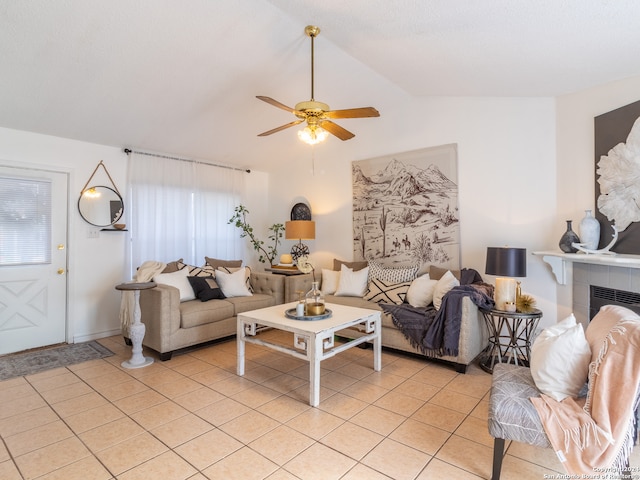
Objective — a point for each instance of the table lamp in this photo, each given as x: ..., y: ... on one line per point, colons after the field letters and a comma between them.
x: 299, y: 230
x: 506, y: 263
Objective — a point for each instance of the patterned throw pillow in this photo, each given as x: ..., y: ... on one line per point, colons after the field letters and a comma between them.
x: 392, y: 274
x: 205, y: 271
x: 384, y: 292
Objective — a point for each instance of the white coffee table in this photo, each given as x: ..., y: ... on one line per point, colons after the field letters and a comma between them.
x: 313, y: 340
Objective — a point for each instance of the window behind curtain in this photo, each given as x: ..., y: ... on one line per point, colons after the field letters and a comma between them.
x: 180, y: 209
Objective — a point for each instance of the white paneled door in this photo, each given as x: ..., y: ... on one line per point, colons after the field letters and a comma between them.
x: 33, y: 258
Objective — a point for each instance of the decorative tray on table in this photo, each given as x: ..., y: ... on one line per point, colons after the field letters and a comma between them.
x: 291, y: 313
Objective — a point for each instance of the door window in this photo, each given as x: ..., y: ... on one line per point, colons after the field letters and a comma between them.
x: 25, y: 221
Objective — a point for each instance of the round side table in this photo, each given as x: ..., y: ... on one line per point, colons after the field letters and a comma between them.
x: 136, y: 327
x: 510, y: 336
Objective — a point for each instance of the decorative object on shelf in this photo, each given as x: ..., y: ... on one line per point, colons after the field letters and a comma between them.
x: 300, y: 230
x: 286, y: 260
x: 305, y: 266
x: 568, y: 239
x: 301, y: 211
x: 314, y: 301
x: 99, y: 205
x: 506, y: 263
x: 119, y: 226
x: 525, y: 304
x: 269, y: 254
x: 602, y: 251
x: 589, y: 231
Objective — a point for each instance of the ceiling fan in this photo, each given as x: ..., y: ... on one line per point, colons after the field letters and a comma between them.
x: 318, y: 115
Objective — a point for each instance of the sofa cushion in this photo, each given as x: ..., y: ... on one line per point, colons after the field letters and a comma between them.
x: 436, y: 272
x: 195, y: 312
x: 352, y: 284
x: 194, y: 271
x: 172, y: 266
x: 215, y: 263
x: 330, y: 281
x: 234, y: 283
x: 420, y: 293
x: 179, y: 280
x: 255, y: 301
x: 446, y: 283
x: 205, y: 288
x: 337, y: 265
x: 386, y: 292
x: 560, y: 359
x: 247, y: 274
x: 394, y: 274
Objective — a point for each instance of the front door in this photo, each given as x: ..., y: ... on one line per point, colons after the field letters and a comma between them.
x: 33, y: 258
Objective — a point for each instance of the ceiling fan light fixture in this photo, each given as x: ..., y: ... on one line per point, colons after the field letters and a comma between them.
x: 312, y: 134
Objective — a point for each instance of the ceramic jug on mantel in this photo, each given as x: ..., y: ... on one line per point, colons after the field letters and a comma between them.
x: 589, y: 231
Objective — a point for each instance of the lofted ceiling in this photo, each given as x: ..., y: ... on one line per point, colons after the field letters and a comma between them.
x: 181, y: 77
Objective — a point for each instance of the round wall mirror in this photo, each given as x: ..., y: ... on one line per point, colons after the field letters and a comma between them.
x: 100, y: 206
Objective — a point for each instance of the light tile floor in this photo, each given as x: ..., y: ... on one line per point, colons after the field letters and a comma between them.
x: 193, y: 418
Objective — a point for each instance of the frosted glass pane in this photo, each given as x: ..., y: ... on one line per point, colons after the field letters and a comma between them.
x: 25, y: 221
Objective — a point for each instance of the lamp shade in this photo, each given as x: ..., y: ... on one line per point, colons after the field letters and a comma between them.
x: 300, y: 230
x: 506, y: 262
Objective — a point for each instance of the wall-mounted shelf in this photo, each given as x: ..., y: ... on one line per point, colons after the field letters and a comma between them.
x: 558, y: 261
x: 114, y: 230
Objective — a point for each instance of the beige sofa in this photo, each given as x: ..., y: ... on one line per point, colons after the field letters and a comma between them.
x: 172, y: 325
x: 473, y: 334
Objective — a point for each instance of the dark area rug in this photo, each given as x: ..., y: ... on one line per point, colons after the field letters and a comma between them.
x: 27, y: 363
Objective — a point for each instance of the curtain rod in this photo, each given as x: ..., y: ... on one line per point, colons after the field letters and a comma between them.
x: 128, y: 151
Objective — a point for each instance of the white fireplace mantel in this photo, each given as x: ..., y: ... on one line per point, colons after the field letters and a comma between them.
x: 558, y: 261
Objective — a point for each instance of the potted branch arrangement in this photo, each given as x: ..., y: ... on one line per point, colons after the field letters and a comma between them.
x: 268, y: 253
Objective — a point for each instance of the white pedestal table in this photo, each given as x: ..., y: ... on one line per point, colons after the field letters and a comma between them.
x: 136, y: 327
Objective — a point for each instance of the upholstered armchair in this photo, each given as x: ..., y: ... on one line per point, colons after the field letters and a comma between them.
x: 513, y: 416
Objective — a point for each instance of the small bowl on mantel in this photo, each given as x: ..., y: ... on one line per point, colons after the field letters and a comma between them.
x: 119, y: 226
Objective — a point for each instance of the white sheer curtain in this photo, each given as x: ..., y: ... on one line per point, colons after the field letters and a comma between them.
x: 180, y: 209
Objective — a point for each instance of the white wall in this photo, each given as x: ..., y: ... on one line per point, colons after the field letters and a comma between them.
x: 575, y: 152
x: 506, y: 169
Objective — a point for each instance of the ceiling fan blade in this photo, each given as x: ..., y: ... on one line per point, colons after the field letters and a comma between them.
x: 276, y: 103
x: 353, y: 113
x: 336, y: 130
x: 282, y: 127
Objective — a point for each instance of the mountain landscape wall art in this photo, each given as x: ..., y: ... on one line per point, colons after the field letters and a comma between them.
x: 405, y: 208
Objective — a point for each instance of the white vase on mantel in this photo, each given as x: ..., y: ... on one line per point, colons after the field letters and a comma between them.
x: 589, y: 231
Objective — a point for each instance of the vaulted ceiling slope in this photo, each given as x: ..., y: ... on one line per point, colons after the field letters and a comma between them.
x: 181, y: 77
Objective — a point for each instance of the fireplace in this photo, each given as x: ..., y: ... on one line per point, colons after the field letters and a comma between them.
x: 600, y: 296
x: 597, y: 285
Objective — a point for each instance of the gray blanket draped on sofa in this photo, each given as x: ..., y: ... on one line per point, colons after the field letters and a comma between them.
x: 437, y: 332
